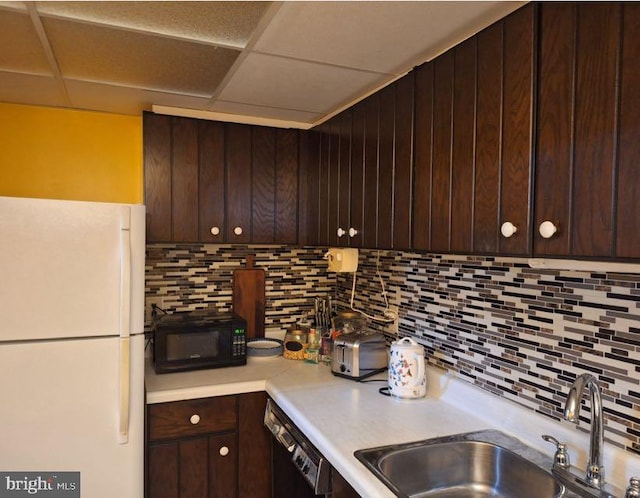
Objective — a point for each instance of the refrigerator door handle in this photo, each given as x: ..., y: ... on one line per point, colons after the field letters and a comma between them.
x: 125, y: 282
x: 125, y: 371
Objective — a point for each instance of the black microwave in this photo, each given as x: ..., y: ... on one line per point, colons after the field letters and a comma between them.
x: 193, y: 340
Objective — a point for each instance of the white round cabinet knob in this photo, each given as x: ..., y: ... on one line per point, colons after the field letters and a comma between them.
x: 547, y: 229
x: 237, y: 230
x: 508, y: 229
x: 341, y: 232
x: 215, y: 230
x: 224, y: 451
x: 195, y: 419
x: 353, y: 232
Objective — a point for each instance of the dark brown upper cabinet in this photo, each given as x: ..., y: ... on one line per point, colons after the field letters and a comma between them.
x: 587, y: 173
x: 364, y: 172
x: 207, y: 181
x: 474, y: 142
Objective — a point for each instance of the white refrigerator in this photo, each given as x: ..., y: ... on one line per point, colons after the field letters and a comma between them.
x: 72, y: 342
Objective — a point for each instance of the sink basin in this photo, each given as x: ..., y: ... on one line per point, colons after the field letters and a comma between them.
x: 473, y: 465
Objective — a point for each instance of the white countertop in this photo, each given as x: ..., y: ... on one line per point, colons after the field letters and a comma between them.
x: 340, y: 416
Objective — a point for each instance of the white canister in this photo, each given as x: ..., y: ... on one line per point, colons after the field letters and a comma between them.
x: 407, y: 374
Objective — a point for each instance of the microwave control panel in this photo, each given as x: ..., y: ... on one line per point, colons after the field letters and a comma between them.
x: 239, y: 342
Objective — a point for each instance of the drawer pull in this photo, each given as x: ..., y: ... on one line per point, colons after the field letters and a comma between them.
x: 224, y: 451
x: 195, y: 419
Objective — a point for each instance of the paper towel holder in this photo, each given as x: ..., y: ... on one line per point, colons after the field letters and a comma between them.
x: 342, y: 260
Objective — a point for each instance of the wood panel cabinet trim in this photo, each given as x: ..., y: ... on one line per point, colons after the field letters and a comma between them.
x: 489, y: 123
x: 286, y: 187
x: 263, y: 184
x: 423, y: 157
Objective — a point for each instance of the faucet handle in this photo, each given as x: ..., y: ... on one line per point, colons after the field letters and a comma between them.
x: 561, y: 457
x: 633, y: 491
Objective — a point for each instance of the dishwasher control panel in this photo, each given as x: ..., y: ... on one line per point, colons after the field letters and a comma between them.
x: 312, y: 465
x: 305, y: 465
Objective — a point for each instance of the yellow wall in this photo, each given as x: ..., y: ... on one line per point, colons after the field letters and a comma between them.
x: 70, y: 154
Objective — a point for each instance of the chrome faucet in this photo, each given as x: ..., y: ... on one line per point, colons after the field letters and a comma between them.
x: 595, y: 468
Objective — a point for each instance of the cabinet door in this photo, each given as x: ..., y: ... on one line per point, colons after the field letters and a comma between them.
x: 254, y: 458
x: 442, y: 140
x: 357, y: 175
x: 201, y: 467
x: 488, y: 143
x: 517, y: 130
x: 171, y: 178
x: 371, y: 171
x: 286, y: 187
x: 385, y: 167
x: 403, y: 162
x: 586, y: 172
x: 238, y: 186
x: 263, y: 155
x: 211, y: 200
x: 157, y: 176
x: 344, y: 177
x: 423, y: 144
x: 473, y: 141
x: 628, y: 181
x: 310, y: 190
x: 463, y: 145
x: 223, y: 466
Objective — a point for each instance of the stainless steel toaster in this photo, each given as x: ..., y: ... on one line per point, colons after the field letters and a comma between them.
x: 359, y: 355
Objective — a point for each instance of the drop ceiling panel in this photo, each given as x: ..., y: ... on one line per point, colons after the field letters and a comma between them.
x: 387, y: 38
x: 30, y: 89
x: 94, y: 53
x: 271, y: 81
x: 292, y: 62
x: 123, y: 100
x: 20, y: 47
x: 265, y: 112
x: 227, y: 23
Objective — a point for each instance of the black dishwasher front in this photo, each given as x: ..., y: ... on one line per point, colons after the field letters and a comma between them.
x: 293, y: 449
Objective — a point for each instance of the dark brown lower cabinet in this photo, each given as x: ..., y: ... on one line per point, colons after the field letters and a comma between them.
x: 208, y: 448
x: 195, y: 467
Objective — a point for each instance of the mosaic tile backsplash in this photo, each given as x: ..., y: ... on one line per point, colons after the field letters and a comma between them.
x: 520, y: 333
x: 197, y: 276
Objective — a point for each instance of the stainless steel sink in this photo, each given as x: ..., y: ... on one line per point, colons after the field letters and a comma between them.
x: 473, y: 465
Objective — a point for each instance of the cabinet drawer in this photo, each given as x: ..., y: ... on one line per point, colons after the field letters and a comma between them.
x: 192, y: 417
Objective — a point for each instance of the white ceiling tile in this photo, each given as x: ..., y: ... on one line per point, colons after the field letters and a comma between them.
x: 270, y: 81
x: 128, y: 58
x: 289, y: 61
x: 30, y: 89
x: 227, y: 23
x: 123, y: 100
x: 387, y: 37
x: 20, y: 47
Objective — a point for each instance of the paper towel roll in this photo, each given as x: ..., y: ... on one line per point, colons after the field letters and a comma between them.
x: 342, y: 260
